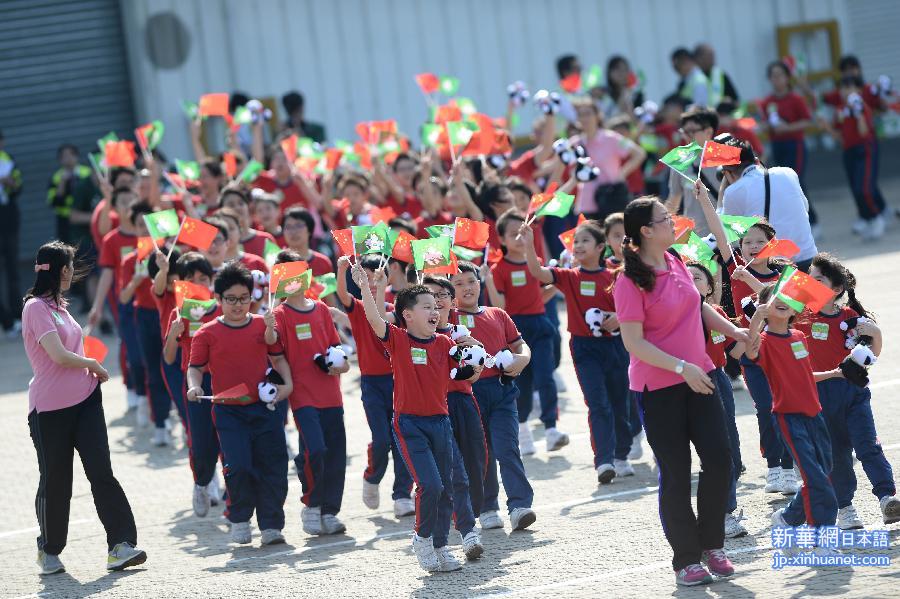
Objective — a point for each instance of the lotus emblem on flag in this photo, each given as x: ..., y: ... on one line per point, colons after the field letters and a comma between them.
x: 691, y: 252
x: 374, y: 243
x: 433, y: 257
x: 293, y: 287
x: 197, y: 312
x: 739, y: 228
x: 163, y: 227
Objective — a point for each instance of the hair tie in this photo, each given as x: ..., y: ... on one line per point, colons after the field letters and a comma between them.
x: 40, y: 267
x: 626, y: 240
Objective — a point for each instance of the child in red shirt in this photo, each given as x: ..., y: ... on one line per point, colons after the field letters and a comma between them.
x: 306, y: 330
x: 237, y: 348
x: 847, y: 407
x: 251, y: 240
x: 421, y: 364
x: 783, y: 355
x: 297, y: 224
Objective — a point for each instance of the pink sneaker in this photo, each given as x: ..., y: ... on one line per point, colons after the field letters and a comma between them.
x: 693, y: 575
x: 718, y: 563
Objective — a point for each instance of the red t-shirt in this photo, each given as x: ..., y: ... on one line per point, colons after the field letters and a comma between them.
x: 164, y: 305
x: 373, y: 360
x: 825, y: 337
x: 116, y: 245
x: 302, y: 335
x: 716, y: 341
x: 848, y: 125
x: 256, y: 244
x: 740, y: 290
x: 584, y: 289
x: 743, y: 134
x: 457, y: 386
x: 95, y: 222
x: 190, y: 331
x: 791, y: 108
x: 524, y: 167
x: 319, y: 263
x: 143, y: 295
x: 234, y: 355
x: 492, y: 327
x: 421, y: 372
x: 291, y: 194
x: 785, y: 361
x: 409, y: 208
x: 521, y: 290
x: 253, y: 262
x: 869, y: 95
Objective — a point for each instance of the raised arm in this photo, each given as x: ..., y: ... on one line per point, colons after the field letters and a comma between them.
x: 713, y: 220
x: 341, y: 281
x: 541, y: 273
x: 497, y: 298
x: 378, y: 324
x: 756, y: 325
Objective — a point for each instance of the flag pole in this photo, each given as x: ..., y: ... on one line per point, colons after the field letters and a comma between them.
x: 152, y: 238
x: 175, y: 241
x: 700, y: 168
x: 450, y: 143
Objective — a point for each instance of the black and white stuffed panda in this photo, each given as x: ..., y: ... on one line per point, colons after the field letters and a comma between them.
x: 547, y: 102
x: 503, y: 360
x: 268, y: 390
x: 457, y: 331
x: 334, y: 357
x: 646, y: 112
x: 518, y: 93
x: 260, y: 280
x: 855, y: 367
x: 585, y: 171
x: 594, y: 318
x: 852, y: 337
x: 468, y: 357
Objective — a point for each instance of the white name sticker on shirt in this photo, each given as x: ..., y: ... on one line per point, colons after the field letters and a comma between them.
x: 589, y: 288
x: 467, y: 320
x: 419, y: 356
x: 820, y: 331
x: 304, y: 331
x: 717, y: 337
x: 518, y: 278
x: 193, y: 327
x: 799, y: 350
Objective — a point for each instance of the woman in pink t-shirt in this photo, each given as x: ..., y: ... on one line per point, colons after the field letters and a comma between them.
x: 661, y: 316
x: 65, y: 415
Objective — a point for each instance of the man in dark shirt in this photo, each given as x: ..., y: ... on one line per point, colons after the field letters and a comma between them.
x: 293, y: 103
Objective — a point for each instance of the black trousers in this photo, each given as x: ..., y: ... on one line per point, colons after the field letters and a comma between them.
x: 11, y: 304
x: 56, y: 436
x: 676, y: 417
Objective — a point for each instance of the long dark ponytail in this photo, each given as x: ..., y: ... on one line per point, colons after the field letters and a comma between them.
x: 839, y: 276
x: 51, y: 258
x: 638, y: 213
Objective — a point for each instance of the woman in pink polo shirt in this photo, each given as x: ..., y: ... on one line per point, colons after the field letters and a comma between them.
x: 65, y: 414
x: 662, y: 319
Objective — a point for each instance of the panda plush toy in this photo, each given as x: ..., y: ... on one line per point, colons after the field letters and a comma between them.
x: 268, y: 390
x: 518, y: 93
x: 595, y: 317
x: 457, y: 331
x: 258, y: 111
x: 503, y: 360
x: 547, y: 102
x: 852, y: 337
x: 334, y: 357
x: 260, y: 280
x: 585, y: 171
x: 468, y: 358
x: 855, y: 366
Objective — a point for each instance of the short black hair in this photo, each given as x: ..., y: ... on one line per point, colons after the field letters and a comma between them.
x: 292, y: 101
x: 233, y: 273
x: 67, y: 146
x: 849, y: 61
x: 116, y: 172
x: 152, y: 268
x: 370, y: 262
x: 726, y: 107
x: 778, y: 64
x: 236, y: 191
x: 213, y: 166
x: 137, y: 210
x: 565, y: 64
x: 402, y: 224
x: 442, y: 282
x: 287, y: 256
x: 677, y: 100
x: 298, y: 213
x: 193, y: 262
x: 506, y: 219
x: 703, y: 116
x: 466, y: 266
x: 403, y: 156
x: 228, y: 213
x: 217, y: 223
x: 681, y: 53
x: 236, y: 99
x: 406, y: 299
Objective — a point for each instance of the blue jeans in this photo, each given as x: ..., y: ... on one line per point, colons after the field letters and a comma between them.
x: 128, y: 332
x: 203, y: 441
x: 848, y: 414
x: 463, y: 516
x: 151, y: 353
x: 426, y: 443
x: 497, y: 404
x: 861, y: 166
x: 254, y: 459
x: 470, y: 442
x: 601, y: 364
x: 378, y: 403
x: 808, y: 441
x: 538, y: 333
x: 770, y: 443
x: 322, y: 460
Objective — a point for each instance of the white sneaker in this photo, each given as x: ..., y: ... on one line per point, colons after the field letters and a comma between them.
x: 605, y: 473
x: 521, y: 518
x: 789, y: 483
x: 733, y: 527
x: 131, y: 399
x: 214, y: 490
x: 490, y: 520
x: 124, y: 555
x: 425, y: 554
x: 623, y: 468
x: 370, y: 495
x: 201, y: 501
x: 331, y: 525
x: 875, y: 228
x: 447, y: 562
x: 311, y: 518
x: 472, y: 546
x: 860, y: 225
x: 560, y: 382
x: 526, y: 440
x: 240, y: 533
x: 404, y: 507
x: 50, y: 564
x: 890, y: 509
x: 142, y: 413
x: 848, y: 519
x: 778, y: 520
x: 271, y: 536
x: 555, y: 439
x: 773, y: 480
x: 637, y: 447
x: 160, y: 437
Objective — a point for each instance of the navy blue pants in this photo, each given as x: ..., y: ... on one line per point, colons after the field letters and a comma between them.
x: 808, y: 441
x: 770, y: 444
x: 848, y: 414
x: 128, y: 333
x: 254, y: 459
x: 538, y: 333
x: 378, y: 402
x: 497, y: 404
x: 861, y: 166
x: 463, y: 516
x: 792, y: 153
x: 322, y: 460
x: 151, y: 354
x: 601, y: 364
x: 203, y: 442
x: 173, y: 377
x: 426, y: 443
x: 552, y: 311
x: 469, y: 435
x: 723, y: 387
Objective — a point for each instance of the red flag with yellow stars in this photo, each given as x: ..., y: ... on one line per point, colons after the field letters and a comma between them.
x: 402, y: 250
x: 382, y: 215
x: 286, y: 270
x: 779, y: 248
x: 187, y: 290
x: 471, y: 234
x: 213, y: 105
x: 197, y: 233
x: 145, y: 245
x: 119, y: 153
x: 344, y: 239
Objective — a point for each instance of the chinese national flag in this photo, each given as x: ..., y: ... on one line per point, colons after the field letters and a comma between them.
x: 798, y: 289
x: 236, y: 392
x: 779, y: 248
x: 402, y: 249
x: 448, y: 113
x: 449, y: 269
x: 187, y: 290
x: 428, y: 82
x: 286, y: 270
x: 567, y: 238
x: 483, y: 140
x: 145, y: 246
x: 120, y: 153
x: 332, y: 158
x: 571, y: 83
x: 683, y: 227
x: 371, y: 132
x: 502, y: 144
x: 365, y: 156
x: 344, y: 239
x: 289, y: 147
x: 94, y: 348
x: 197, y: 233
x: 538, y: 200
x: 716, y: 154
x: 213, y: 105
x: 229, y: 161
x: 382, y: 215
x: 471, y: 233
x: 494, y: 255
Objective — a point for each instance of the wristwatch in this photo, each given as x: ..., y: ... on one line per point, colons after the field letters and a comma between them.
x: 679, y: 368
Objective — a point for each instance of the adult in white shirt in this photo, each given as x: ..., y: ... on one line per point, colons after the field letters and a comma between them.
x: 745, y: 195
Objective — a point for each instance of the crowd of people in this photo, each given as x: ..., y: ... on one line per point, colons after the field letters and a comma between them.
x: 452, y: 359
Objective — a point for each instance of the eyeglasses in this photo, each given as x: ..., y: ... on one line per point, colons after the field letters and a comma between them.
x: 666, y: 219
x: 442, y: 296
x: 234, y: 301
x: 218, y: 240
x: 294, y: 227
